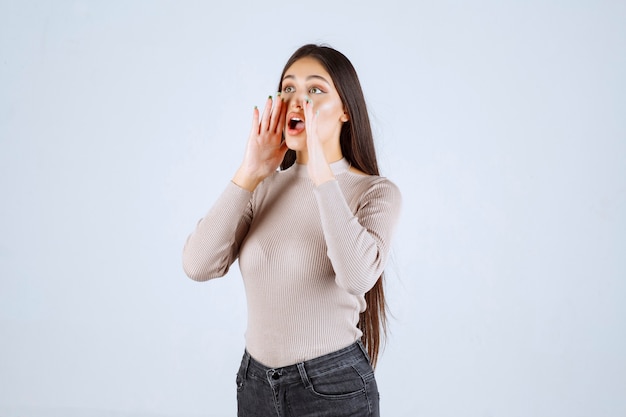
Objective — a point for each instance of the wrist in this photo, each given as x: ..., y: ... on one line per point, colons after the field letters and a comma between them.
x: 246, y: 180
x: 320, y: 175
x: 323, y: 179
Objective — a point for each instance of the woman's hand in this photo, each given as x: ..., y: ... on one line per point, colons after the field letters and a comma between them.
x: 265, y: 149
x: 317, y: 165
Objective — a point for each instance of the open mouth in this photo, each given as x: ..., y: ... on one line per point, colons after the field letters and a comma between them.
x: 295, y: 122
x: 295, y: 125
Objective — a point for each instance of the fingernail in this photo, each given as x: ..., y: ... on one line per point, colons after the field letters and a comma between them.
x: 256, y: 108
x: 278, y: 94
x: 317, y: 113
x: 270, y: 97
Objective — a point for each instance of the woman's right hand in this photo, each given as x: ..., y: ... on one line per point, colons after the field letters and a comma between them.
x: 266, y: 148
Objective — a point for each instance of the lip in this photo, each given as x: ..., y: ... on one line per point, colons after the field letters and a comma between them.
x: 294, y: 114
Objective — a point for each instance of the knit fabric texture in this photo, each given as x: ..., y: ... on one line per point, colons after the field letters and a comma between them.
x: 307, y: 256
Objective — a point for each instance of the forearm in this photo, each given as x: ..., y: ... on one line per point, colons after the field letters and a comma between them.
x: 357, y: 247
x: 214, y: 244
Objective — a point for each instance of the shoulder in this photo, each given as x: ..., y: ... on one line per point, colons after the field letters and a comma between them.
x: 372, y: 182
x: 382, y: 188
x: 367, y: 189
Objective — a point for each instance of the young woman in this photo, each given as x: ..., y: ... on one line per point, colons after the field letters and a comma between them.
x: 312, y: 240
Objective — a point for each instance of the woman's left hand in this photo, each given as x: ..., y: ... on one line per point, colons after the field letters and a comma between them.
x: 317, y: 165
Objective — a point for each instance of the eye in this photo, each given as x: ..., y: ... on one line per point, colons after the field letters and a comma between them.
x: 315, y: 90
x: 288, y: 89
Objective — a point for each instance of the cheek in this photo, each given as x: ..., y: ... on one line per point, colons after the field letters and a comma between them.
x: 325, y: 106
x: 330, y: 111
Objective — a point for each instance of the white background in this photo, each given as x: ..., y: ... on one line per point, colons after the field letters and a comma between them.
x: 502, y: 122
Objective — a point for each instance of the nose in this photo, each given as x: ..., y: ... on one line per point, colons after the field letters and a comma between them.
x: 296, y: 103
x: 296, y: 100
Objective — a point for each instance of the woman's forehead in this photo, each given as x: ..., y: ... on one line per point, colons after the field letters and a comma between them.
x: 307, y: 67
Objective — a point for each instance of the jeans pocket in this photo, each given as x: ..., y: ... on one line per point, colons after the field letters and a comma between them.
x: 239, y: 381
x: 340, y: 383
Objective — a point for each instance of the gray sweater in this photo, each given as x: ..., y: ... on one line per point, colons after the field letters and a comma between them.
x: 307, y: 256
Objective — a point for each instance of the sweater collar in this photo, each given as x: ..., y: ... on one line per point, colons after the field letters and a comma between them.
x: 338, y: 167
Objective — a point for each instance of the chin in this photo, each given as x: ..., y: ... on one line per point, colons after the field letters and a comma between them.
x: 296, y: 143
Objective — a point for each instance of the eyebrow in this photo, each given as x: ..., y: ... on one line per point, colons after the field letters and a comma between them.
x: 307, y: 78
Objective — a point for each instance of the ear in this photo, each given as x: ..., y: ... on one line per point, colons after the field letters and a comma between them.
x: 344, y: 117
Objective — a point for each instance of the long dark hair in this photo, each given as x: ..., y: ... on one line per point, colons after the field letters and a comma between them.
x: 357, y: 146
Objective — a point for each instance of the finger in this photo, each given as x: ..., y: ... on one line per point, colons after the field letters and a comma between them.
x: 255, y: 121
x: 267, y: 111
x: 278, y: 105
x: 307, y: 105
x: 282, y: 116
x: 283, y: 148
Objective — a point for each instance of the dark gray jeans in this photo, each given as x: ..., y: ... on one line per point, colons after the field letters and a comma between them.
x: 339, y: 384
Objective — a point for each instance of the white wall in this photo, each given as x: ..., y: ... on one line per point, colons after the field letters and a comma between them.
x: 502, y: 122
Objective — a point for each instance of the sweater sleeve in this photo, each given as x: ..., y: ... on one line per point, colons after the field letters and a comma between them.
x: 358, y: 243
x: 214, y: 245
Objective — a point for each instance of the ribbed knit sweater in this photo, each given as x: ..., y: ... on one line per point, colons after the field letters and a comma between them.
x: 307, y: 256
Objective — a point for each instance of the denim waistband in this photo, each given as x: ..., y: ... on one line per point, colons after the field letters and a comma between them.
x: 347, y: 356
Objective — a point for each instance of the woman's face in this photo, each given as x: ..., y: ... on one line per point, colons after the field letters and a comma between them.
x: 307, y: 77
